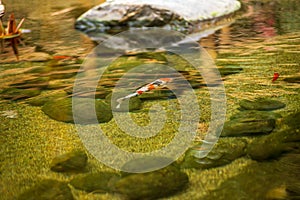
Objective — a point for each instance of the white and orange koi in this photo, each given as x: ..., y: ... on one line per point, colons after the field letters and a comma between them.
x: 159, y: 83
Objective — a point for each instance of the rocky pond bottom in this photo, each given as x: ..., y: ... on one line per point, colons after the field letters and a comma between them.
x: 277, y: 152
x: 259, y: 143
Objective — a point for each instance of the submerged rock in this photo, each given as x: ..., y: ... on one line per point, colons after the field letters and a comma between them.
x: 293, y: 120
x: 284, y: 139
x: 70, y: 162
x: 261, y: 104
x: 48, y: 190
x: 62, y: 110
x: 266, y: 147
x: 119, y: 15
x: 152, y: 185
x: 96, y: 182
x: 248, y: 126
x: 224, y: 152
x: 250, y: 122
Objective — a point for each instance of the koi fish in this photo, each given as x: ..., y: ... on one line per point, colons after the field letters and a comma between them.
x: 159, y: 83
x: 275, y: 76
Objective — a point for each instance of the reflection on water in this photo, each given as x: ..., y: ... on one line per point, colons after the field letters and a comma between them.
x: 51, y: 23
x: 262, y: 21
x: 52, y: 30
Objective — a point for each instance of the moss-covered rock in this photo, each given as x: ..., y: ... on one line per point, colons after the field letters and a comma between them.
x: 250, y: 122
x: 293, y: 120
x: 74, y: 161
x: 62, y: 110
x: 266, y: 147
x: 247, y: 127
x: 59, y: 109
x: 48, y: 190
x: 95, y: 182
x: 261, y: 104
x: 152, y: 185
x: 284, y: 139
x: 224, y: 152
x: 130, y: 104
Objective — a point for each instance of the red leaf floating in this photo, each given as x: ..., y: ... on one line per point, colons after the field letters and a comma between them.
x: 275, y: 76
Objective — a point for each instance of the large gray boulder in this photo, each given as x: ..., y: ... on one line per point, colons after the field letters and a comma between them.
x: 117, y: 15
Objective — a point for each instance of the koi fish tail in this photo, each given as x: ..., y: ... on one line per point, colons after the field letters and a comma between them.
x: 120, y: 100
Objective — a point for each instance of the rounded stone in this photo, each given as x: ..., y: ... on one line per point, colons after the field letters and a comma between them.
x: 266, y: 147
x: 70, y: 162
x: 248, y: 127
x: 261, y: 104
x: 48, y: 190
x: 224, y: 152
x: 95, y: 182
x: 152, y: 185
x: 62, y: 110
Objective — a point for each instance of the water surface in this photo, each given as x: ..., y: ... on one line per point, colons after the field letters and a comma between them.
x: 262, y: 40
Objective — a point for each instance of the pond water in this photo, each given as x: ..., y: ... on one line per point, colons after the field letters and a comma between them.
x: 257, y: 44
